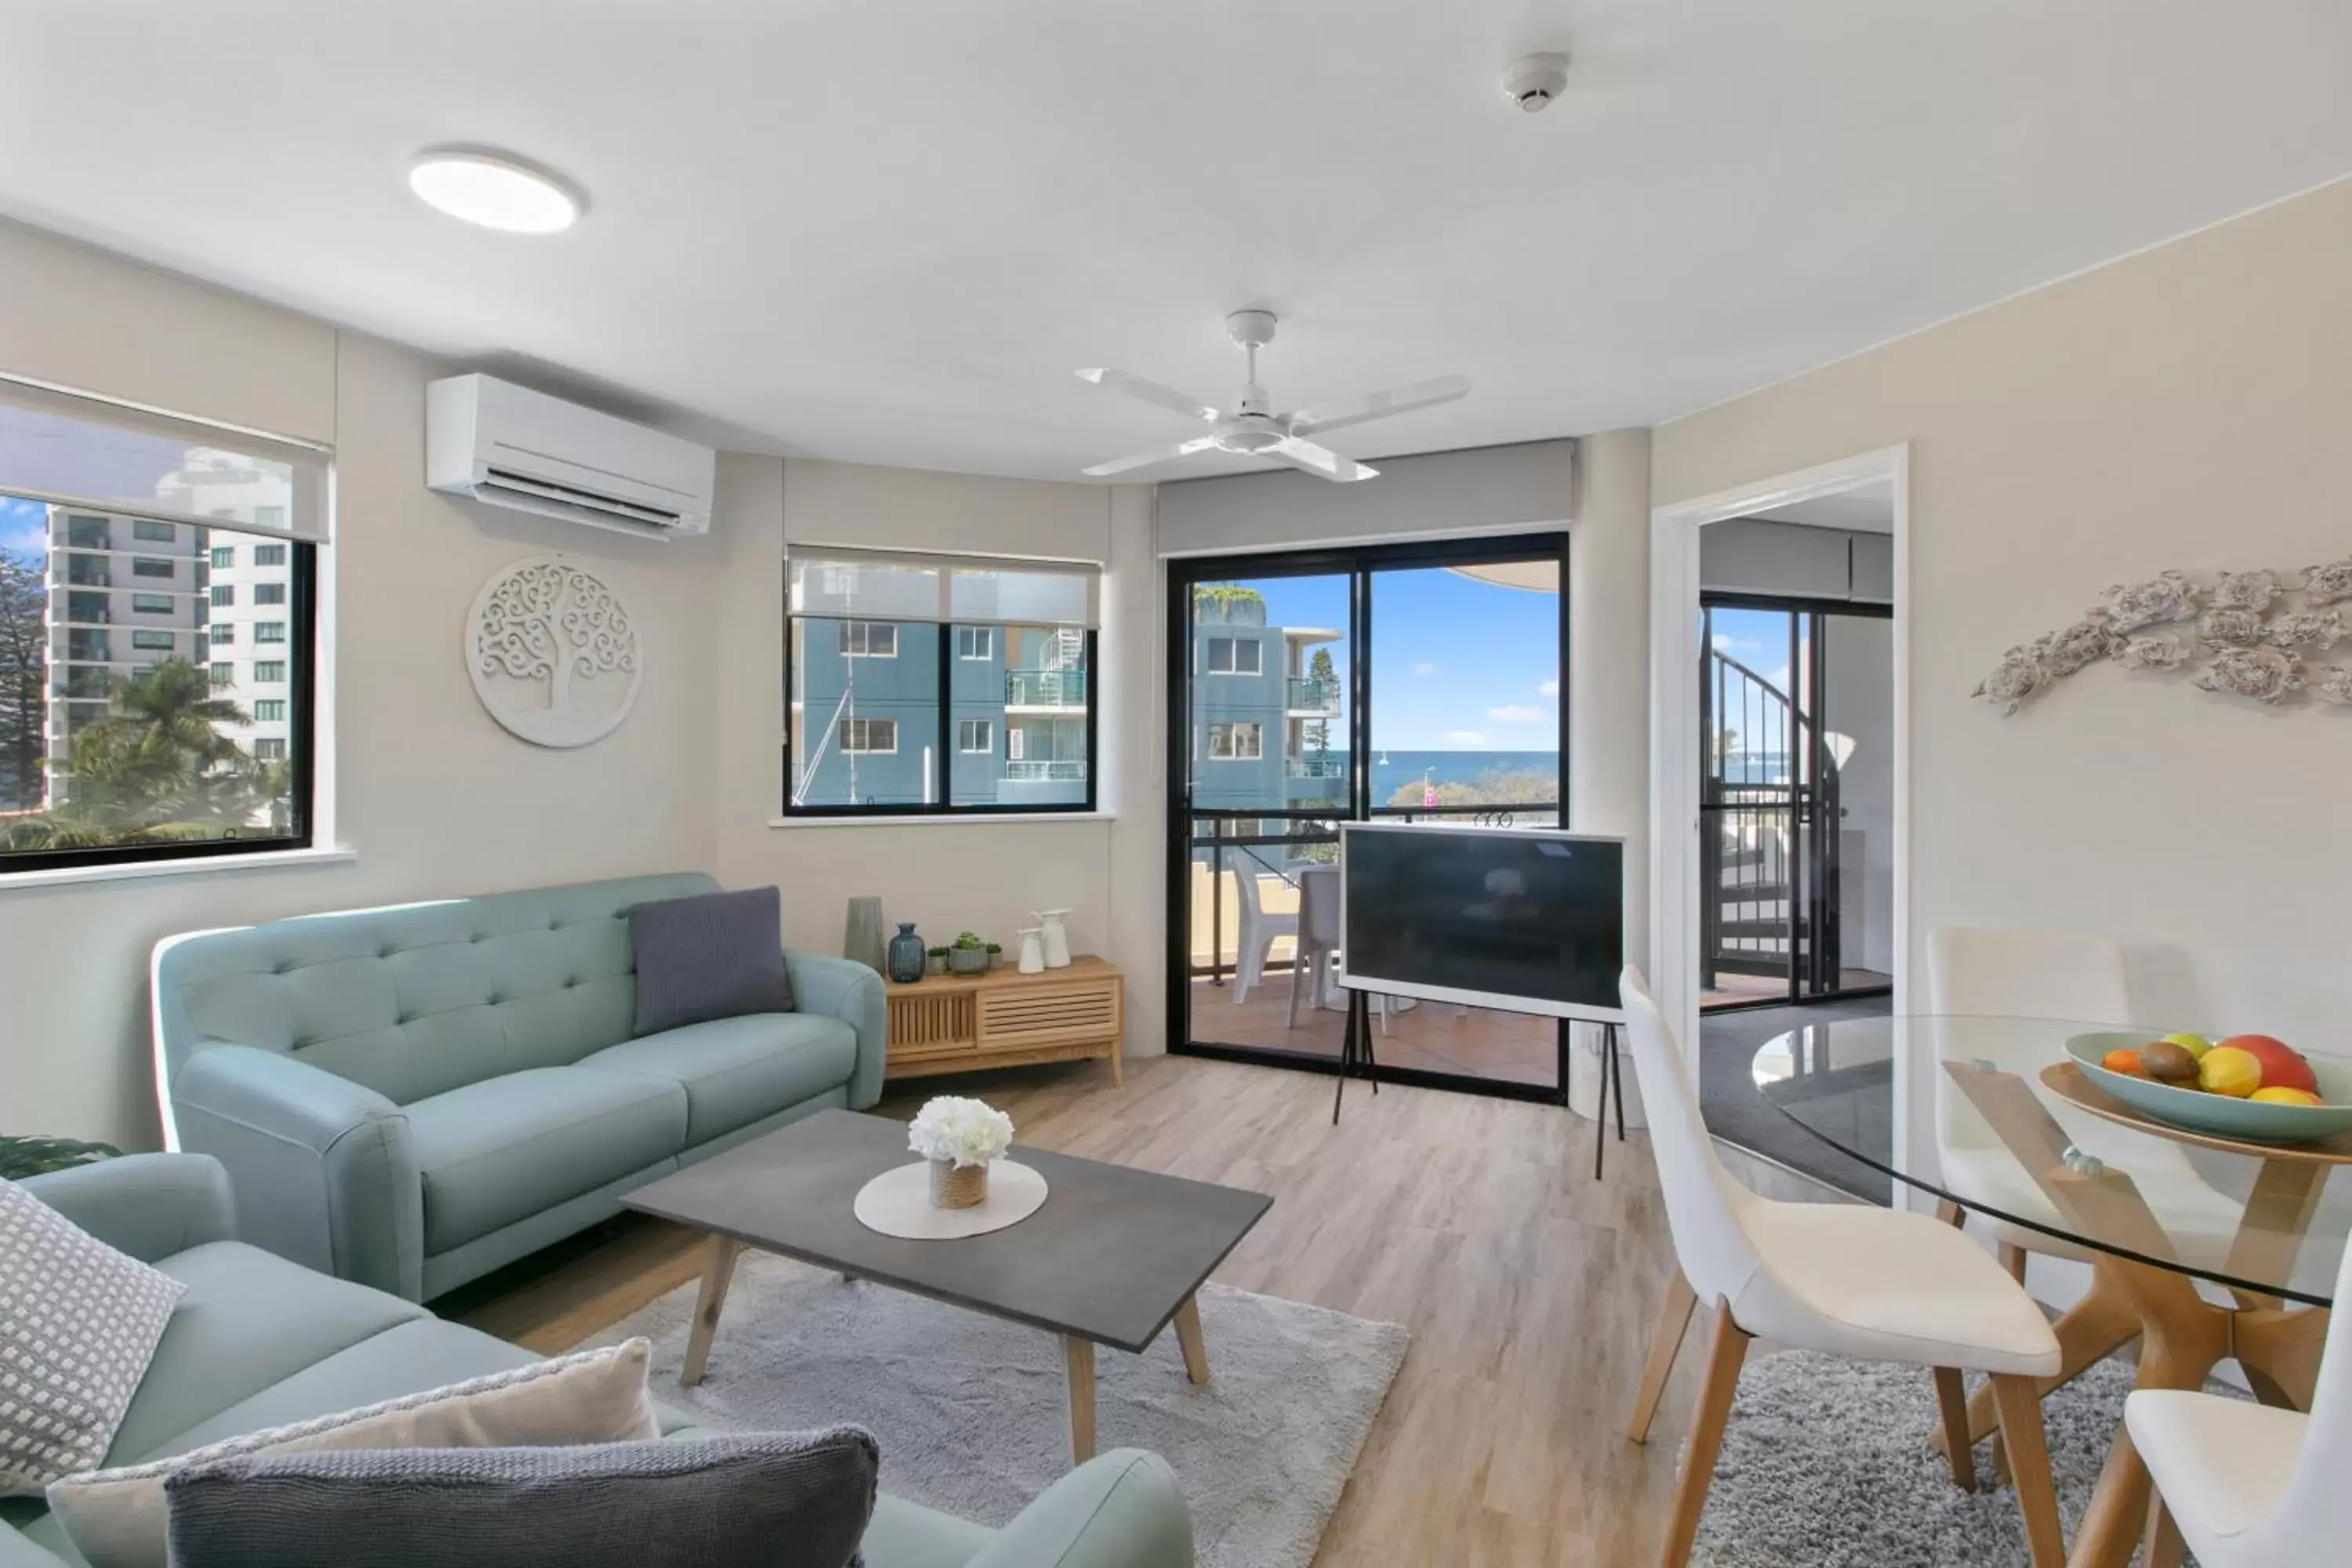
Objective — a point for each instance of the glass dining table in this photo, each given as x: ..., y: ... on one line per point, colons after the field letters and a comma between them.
x: 2203, y: 1248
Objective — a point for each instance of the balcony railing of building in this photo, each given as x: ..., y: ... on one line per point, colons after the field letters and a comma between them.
x: 1316, y: 767
x: 83, y: 573
x: 1314, y: 696
x: 1071, y: 770
x: 1045, y: 689
x: 88, y: 650
x: 93, y: 684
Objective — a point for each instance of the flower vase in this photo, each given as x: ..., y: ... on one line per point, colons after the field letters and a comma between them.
x: 955, y: 1187
x: 861, y: 937
x: 907, y: 957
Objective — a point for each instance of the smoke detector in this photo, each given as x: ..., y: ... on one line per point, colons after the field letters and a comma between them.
x: 1534, y: 81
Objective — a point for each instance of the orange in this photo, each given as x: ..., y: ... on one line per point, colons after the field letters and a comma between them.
x: 2124, y: 1059
x: 2226, y: 1070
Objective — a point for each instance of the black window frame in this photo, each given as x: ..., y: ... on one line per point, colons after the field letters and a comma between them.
x: 262, y: 591
x: 140, y: 528
x: 269, y: 555
x: 946, y: 736
x: 301, y: 744
x: 142, y: 566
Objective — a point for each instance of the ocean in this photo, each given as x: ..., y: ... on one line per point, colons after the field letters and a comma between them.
x: 1393, y: 771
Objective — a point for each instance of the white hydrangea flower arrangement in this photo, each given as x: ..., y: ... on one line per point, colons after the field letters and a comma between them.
x: 962, y: 1131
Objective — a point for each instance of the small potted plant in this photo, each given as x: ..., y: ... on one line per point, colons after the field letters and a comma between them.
x: 959, y: 1137
x: 939, y: 957
x: 969, y: 955
x: 995, y: 954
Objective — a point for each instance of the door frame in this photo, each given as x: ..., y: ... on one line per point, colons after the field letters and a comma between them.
x: 1675, y: 739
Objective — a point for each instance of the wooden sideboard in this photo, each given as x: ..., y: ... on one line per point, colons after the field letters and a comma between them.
x: 960, y: 1023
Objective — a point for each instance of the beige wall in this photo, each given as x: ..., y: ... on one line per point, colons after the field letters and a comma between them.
x: 2189, y: 407
x: 983, y: 875
x: 435, y: 798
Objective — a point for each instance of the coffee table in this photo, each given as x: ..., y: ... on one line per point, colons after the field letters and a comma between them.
x: 1112, y: 1258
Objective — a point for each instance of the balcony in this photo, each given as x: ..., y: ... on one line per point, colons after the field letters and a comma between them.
x: 1316, y: 767
x: 94, y: 684
x: 89, y: 649
x: 83, y: 573
x: 1064, y: 771
x: 1045, y: 689
x: 1314, y: 696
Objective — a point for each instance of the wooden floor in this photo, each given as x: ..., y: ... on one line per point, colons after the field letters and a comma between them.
x: 1474, y: 1042
x: 1741, y: 990
x: 1529, y: 1290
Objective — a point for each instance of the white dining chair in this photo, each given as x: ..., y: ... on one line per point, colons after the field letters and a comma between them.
x: 2248, y: 1486
x: 1995, y: 971
x: 1846, y: 1279
x: 1259, y: 930
x: 1318, y: 941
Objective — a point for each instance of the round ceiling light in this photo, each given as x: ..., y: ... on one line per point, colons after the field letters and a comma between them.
x: 494, y: 191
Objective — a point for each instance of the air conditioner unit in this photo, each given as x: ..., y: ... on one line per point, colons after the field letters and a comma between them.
x: 509, y: 446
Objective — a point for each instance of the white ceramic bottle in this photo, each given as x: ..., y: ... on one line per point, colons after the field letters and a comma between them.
x: 1056, y: 936
x: 1033, y: 952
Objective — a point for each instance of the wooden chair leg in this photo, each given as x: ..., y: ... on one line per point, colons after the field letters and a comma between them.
x: 2012, y: 1258
x: 1666, y: 1343
x: 2018, y: 1401
x: 1952, y: 1399
x: 1725, y: 1353
x: 2165, y: 1548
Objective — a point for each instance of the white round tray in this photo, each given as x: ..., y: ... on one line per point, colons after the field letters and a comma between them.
x: 898, y: 1202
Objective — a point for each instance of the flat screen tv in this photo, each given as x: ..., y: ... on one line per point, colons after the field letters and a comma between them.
x: 1527, y: 920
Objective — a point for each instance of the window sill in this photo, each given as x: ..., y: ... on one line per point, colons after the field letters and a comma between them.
x: 211, y: 864
x: 961, y: 819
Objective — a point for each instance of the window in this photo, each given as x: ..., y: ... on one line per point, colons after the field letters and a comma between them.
x: 1237, y: 743
x: 122, y: 751
x: 1233, y: 655
x: 268, y: 750
x: 264, y: 555
x: 223, y: 594
x: 267, y: 593
x: 269, y: 631
x: 869, y: 639
x: 270, y: 672
x: 978, y: 671
x: 270, y: 711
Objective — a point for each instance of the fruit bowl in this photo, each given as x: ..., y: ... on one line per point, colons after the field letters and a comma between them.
x: 2255, y: 1121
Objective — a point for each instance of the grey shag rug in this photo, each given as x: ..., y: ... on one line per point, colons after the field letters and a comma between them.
x: 1826, y: 1465
x: 973, y: 1418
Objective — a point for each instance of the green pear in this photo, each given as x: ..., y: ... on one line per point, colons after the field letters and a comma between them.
x: 2195, y: 1044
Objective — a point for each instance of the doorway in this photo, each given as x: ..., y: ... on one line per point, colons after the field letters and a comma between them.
x: 1411, y: 682
x: 1796, y: 807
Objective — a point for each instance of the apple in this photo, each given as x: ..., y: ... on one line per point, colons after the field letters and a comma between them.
x: 2282, y: 1065
x: 2195, y: 1044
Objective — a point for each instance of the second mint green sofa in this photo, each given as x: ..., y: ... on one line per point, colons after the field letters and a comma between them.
x: 412, y: 1097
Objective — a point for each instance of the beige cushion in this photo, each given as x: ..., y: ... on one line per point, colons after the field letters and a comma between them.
x: 79, y: 1324
x: 117, y: 1518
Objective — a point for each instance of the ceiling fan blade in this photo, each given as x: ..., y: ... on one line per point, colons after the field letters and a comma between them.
x: 1320, y: 461
x: 1378, y: 404
x: 1145, y: 459
x: 1166, y: 398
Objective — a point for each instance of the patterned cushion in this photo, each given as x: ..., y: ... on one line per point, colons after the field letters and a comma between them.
x: 749, y: 1500
x: 116, y: 1518
x: 79, y: 1324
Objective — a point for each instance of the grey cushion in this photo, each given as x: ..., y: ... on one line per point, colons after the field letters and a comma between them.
x: 496, y: 1152
x: 752, y: 1500
x: 714, y: 956
x: 79, y: 1324
x: 737, y: 1070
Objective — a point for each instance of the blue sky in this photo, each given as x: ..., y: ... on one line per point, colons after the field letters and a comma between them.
x: 1757, y: 638
x: 23, y: 529
x: 1457, y: 665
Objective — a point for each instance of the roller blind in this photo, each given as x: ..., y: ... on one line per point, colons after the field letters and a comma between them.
x: 908, y: 587
x: 81, y: 451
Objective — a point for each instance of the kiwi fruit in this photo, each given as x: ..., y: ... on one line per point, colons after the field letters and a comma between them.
x: 2166, y: 1062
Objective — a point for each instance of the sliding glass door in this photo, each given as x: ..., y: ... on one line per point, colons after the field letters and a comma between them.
x: 1410, y: 683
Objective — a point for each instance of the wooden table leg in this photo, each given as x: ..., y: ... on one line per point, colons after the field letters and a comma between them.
x: 717, y: 1272
x: 2165, y: 1547
x: 2095, y: 1328
x: 2270, y: 1234
x: 1078, y: 1359
x: 1188, y: 1337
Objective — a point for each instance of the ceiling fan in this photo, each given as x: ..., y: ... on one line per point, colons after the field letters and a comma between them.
x: 1253, y: 431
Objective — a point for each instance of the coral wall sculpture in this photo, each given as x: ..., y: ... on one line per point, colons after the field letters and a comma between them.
x: 553, y: 653
x: 2255, y: 633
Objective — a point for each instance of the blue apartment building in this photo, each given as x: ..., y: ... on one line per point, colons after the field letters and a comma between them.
x: 1265, y: 732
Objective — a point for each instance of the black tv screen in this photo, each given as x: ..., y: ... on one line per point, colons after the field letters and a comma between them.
x: 1527, y: 920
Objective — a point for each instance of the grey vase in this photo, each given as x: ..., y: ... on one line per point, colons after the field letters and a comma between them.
x: 862, y: 940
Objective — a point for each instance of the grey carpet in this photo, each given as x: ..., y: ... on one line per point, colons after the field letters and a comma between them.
x: 972, y: 1415
x: 1825, y: 1465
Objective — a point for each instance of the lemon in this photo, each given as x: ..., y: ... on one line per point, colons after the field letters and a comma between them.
x: 2282, y: 1095
x: 2226, y: 1070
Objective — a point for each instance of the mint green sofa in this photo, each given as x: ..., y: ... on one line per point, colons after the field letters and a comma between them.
x: 260, y: 1341
x: 410, y: 1098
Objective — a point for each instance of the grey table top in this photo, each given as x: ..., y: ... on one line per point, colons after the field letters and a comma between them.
x: 1109, y: 1257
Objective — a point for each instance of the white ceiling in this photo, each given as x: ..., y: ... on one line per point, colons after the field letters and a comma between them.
x: 887, y: 230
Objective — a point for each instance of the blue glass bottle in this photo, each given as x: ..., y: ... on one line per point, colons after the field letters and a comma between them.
x: 905, y: 957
